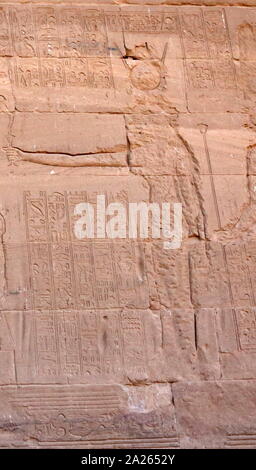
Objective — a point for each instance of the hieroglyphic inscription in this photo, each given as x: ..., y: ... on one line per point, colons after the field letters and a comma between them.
x: 193, y: 35
x: 73, y: 274
x: 241, y: 318
x: 48, y: 31
x: 72, y: 72
x: 57, y: 47
x: 240, y: 259
x: 246, y: 328
x: 42, y: 37
x: 207, y: 49
x: 48, y: 37
x: 217, y: 33
x: 23, y: 32
x: 205, y: 34
x: 54, y: 31
x: 72, y: 33
x: 238, y: 329
x: 205, y: 74
x: 83, y: 345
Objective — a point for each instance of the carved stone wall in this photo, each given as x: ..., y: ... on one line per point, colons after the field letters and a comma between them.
x: 120, y: 343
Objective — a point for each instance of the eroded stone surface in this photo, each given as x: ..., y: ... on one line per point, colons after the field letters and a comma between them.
x: 201, y: 424
x: 121, y: 343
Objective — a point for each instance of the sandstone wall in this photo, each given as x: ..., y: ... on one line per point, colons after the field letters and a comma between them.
x: 122, y: 343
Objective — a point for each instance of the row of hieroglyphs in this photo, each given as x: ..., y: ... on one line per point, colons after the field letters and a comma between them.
x: 48, y: 31
x: 77, y: 344
x: 98, y: 73
x: 60, y: 46
x: 94, y: 346
x: 67, y: 273
x: 48, y: 268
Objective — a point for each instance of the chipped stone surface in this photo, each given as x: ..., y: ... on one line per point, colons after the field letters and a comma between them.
x: 122, y: 343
